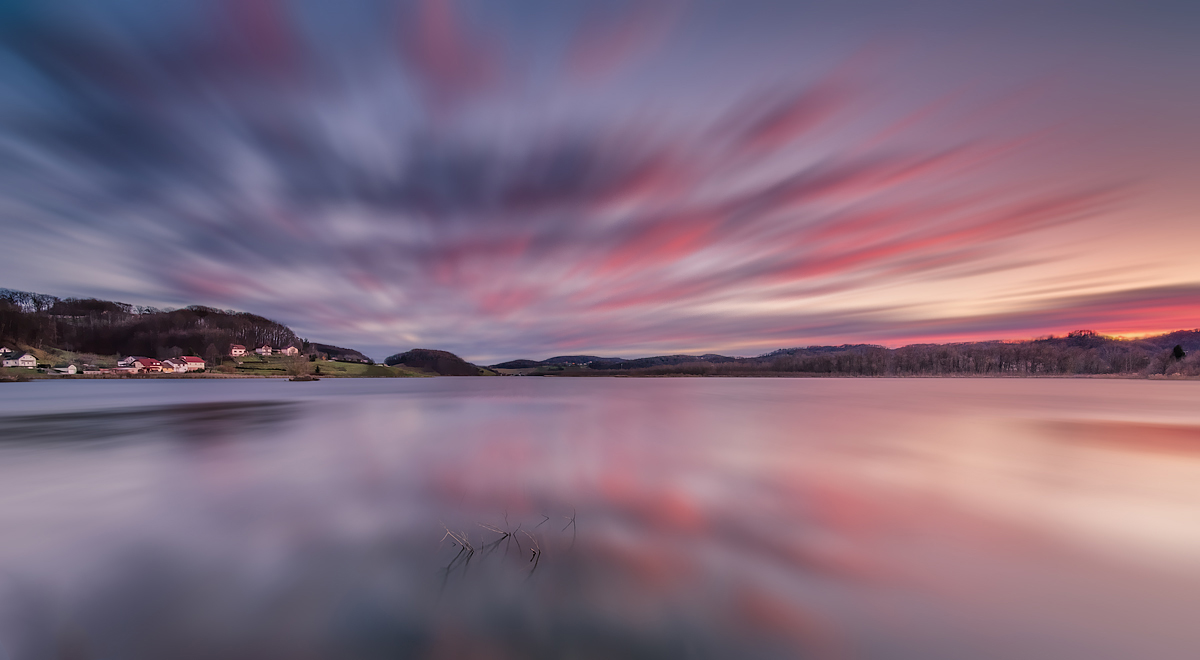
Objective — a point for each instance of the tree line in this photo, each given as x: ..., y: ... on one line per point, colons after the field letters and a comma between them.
x: 111, y: 328
x: 1083, y: 352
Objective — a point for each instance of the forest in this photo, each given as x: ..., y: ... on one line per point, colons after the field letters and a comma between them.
x: 111, y: 328
x: 1082, y: 352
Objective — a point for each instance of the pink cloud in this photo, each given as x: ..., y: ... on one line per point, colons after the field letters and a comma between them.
x: 605, y: 45
x: 451, y: 61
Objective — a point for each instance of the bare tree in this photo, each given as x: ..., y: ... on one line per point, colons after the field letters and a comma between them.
x: 297, y: 365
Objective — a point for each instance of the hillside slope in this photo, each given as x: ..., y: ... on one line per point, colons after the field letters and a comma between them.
x: 443, y: 363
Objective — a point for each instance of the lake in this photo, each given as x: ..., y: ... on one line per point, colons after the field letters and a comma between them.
x: 600, y: 518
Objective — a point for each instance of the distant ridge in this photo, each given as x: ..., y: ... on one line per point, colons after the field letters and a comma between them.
x: 338, y: 353
x: 1081, y: 352
x: 561, y: 360
x: 581, y: 359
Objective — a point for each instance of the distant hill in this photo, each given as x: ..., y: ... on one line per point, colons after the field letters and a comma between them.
x: 817, y: 349
x: 581, y: 359
x: 662, y: 360
x: 561, y: 360
x: 1079, y: 352
x: 1188, y: 339
x: 107, y: 328
x: 104, y: 327
x: 612, y: 363
x: 443, y: 363
x: 338, y: 353
x: 517, y: 364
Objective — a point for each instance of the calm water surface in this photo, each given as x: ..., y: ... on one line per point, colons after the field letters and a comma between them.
x: 600, y: 518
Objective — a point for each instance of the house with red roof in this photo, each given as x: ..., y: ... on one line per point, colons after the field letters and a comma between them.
x: 148, y: 364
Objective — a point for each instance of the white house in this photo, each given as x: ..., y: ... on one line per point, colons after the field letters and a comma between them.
x: 128, y: 361
x: 26, y: 361
x: 265, y: 350
x: 193, y: 363
x: 289, y: 351
x: 237, y: 350
x: 174, y: 365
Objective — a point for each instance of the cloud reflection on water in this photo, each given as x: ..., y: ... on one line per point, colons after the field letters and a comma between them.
x: 715, y: 518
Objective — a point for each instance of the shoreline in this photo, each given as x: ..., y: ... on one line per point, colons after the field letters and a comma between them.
x: 196, y: 376
x: 199, y: 376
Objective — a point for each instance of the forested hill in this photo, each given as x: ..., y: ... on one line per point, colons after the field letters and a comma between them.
x: 442, y: 363
x: 331, y: 352
x: 109, y: 328
x: 1080, y: 352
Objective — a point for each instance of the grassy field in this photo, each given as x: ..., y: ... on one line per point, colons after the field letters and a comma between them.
x: 53, y: 357
x: 277, y: 366
x: 14, y: 373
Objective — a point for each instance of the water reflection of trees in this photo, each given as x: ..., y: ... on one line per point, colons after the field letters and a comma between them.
x: 197, y: 422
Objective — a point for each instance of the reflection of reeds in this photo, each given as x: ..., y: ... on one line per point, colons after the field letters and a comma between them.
x: 536, y: 550
x: 488, y: 548
x: 505, y: 535
x: 463, y: 558
x: 571, y: 524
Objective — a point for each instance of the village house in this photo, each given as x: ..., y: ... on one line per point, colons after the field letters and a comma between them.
x: 26, y: 361
x: 289, y: 351
x: 174, y: 365
x: 237, y: 350
x: 5, y: 351
x: 265, y: 350
x: 193, y: 363
x: 128, y: 361
x: 148, y: 364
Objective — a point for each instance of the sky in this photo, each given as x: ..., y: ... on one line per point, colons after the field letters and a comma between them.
x: 529, y: 178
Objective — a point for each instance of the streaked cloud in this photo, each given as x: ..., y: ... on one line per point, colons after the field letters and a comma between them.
x: 535, y: 179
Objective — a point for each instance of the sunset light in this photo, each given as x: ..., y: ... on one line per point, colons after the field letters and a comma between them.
x: 599, y: 329
x: 615, y: 178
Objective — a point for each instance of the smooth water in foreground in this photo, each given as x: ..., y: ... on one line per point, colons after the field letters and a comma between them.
x: 600, y: 518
